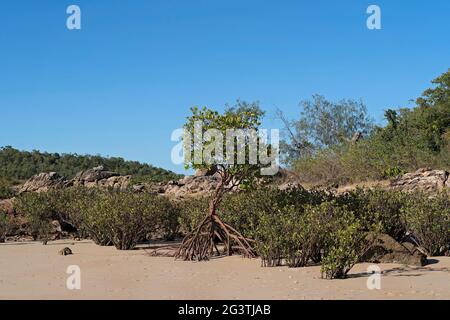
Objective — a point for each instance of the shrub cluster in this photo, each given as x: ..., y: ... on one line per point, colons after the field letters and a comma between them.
x: 39, y: 214
x: 7, y: 225
x: 428, y: 220
x: 6, y: 190
x: 107, y: 217
x: 294, y: 227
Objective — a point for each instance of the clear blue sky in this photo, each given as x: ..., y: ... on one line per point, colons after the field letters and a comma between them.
x: 122, y: 83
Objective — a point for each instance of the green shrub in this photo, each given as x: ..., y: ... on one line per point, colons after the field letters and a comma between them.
x: 327, y: 232
x: 378, y: 210
x: 7, y: 225
x: 71, y: 205
x: 304, y: 237
x: 93, y: 218
x: 191, y: 212
x: 428, y: 219
x: 39, y: 214
x: 393, y: 172
x: 269, y: 238
x: 6, y: 191
x: 335, y: 236
x: 244, y: 209
x: 345, y: 248
x: 125, y: 218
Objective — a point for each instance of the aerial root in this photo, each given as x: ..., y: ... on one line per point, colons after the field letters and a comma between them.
x: 200, y: 244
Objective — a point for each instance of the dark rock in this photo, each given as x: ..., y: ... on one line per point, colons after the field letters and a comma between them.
x: 385, y: 249
x: 65, y: 252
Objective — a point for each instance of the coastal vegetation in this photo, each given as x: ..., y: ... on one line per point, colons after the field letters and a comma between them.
x: 332, y: 143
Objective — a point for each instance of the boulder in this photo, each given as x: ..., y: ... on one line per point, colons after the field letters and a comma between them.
x: 205, y: 172
x: 65, y: 252
x: 43, y: 182
x: 424, y: 179
x: 56, y: 227
x: 385, y: 249
x: 139, y: 188
x: 7, y: 206
x: 190, y: 185
x: 94, y: 175
x: 99, y: 177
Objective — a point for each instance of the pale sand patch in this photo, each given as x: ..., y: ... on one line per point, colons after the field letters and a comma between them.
x: 34, y: 271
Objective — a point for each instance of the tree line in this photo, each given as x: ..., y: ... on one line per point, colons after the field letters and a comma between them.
x: 20, y: 165
x: 338, y: 142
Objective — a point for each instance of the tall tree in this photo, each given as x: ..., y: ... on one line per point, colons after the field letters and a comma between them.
x: 324, y: 124
x: 210, y: 152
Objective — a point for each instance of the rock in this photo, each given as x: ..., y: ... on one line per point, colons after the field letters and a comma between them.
x: 7, y: 206
x: 99, y: 177
x: 94, y: 175
x: 42, y: 182
x: 285, y: 180
x: 56, y: 226
x: 384, y: 249
x: 198, y: 185
x: 201, y: 172
x: 65, y: 252
x: 424, y: 179
x: 289, y: 185
x: 139, y: 188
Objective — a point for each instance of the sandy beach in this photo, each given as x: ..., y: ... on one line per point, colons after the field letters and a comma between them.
x: 31, y: 270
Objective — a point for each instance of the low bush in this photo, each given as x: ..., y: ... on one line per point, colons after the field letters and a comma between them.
x: 378, y: 210
x: 6, y: 190
x: 269, y: 236
x: 70, y: 206
x: 191, y: 212
x: 428, y: 219
x: 7, y: 225
x: 106, y: 216
x: 345, y: 248
x: 327, y: 232
x: 125, y: 218
x: 243, y: 210
x: 39, y: 214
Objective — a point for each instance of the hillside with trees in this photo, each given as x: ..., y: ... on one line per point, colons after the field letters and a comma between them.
x: 20, y: 165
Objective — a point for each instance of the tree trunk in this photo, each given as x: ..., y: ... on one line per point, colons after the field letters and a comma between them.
x: 200, y: 244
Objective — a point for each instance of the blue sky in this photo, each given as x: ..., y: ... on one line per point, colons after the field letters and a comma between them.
x: 125, y: 81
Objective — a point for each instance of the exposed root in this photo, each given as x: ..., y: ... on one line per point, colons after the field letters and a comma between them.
x: 200, y: 244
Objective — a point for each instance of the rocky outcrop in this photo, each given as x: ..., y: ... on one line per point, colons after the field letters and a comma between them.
x: 202, y: 183
x: 95, y: 177
x: 99, y: 177
x: 423, y: 179
x: 384, y: 249
x: 43, y: 182
x: 7, y: 206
